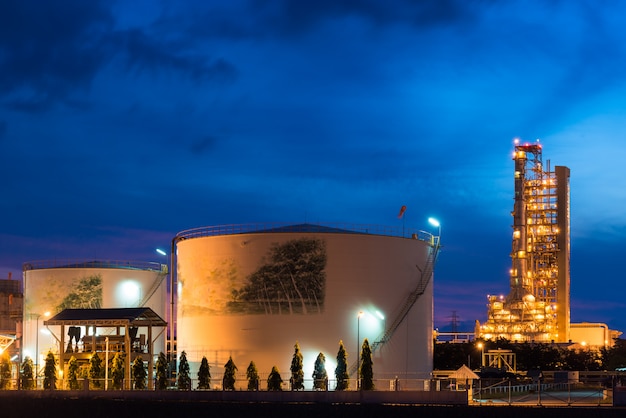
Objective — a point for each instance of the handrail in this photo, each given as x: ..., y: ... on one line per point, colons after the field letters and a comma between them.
x: 155, y: 285
x: 412, y: 297
x: 425, y: 277
x: 77, y: 263
x: 275, y: 227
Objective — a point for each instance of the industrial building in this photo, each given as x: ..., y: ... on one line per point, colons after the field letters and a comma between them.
x: 11, y: 303
x: 537, y: 307
x: 251, y: 292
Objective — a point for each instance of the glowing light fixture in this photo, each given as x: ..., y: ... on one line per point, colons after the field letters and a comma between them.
x: 482, y: 353
x: 358, y: 348
x: 434, y: 222
x: 160, y: 251
x: 128, y: 293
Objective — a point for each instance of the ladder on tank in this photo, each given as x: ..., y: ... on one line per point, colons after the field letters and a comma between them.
x: 155, y: 285
x: 412, y: 297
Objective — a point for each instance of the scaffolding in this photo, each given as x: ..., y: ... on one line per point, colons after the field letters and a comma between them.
x: 537, y: 306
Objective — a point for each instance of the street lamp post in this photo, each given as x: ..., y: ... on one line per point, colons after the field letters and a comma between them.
x: 434, y: 222
x: 170, y: 324
x: 482, y: 353
x: 358, y: 349
x: 37, y: 316
x: 37, y: 349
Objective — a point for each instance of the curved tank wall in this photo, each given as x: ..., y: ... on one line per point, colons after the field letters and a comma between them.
x: 252, y: 296
x: 51, y: 286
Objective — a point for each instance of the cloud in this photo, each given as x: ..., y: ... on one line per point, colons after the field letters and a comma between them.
x: 50, y: 50
x: 144, y: 52
x: 50, y: 53
x: 290, y: 19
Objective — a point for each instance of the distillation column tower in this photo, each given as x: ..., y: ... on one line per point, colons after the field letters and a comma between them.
x: 537, y: 307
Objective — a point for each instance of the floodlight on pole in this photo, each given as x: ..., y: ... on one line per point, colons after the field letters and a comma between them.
x: 37, y: 315
x: 434, y: 222
x: 358, y: 349
x: 482, y: 353
x: 170, y: 322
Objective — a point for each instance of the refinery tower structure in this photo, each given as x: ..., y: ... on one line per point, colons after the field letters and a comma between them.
x: 537, y: 307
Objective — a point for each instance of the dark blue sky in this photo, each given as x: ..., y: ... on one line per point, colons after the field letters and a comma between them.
x: 122, y: 123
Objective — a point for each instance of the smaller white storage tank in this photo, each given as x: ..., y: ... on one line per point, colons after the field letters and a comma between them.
x: 51, y: 286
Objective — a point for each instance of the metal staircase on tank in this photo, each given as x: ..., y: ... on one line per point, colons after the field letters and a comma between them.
x: 412, y: 297
x: 155, y: 285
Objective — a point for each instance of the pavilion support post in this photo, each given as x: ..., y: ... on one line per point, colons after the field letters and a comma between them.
x: 127, y: 348
x: 62, y: 355
x: 93, y: 340
x: 150, y: 358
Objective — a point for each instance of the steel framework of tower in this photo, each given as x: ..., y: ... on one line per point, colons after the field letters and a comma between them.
x: 537, y: 307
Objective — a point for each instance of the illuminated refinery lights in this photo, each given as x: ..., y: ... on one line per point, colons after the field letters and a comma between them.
x: 537, y: 307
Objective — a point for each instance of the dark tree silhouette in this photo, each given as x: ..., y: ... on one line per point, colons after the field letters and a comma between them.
x: 184, y: 380
x: 204, y: 374
x: 614, y: 357
x: 341, y: 371
x: 320, y: 377
x: 274, y: 381
x: 228, y: 381
x: 72, y: 373
x: 297, y: 374
x: 582, y: 360
x: 161, y: 372
x: 96, y: 372
x: 529, y: 356
x: 366, y: 371
x: 117, y: 371
x: 449, y: 356
x: 139, y: 373
x: 252, y: 375
x: 27, y: 374
x: 292, y: 281
x: 50, y: 372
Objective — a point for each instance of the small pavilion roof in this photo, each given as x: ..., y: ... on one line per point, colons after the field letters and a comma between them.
x: 137, y: 317
x: 464, y: 372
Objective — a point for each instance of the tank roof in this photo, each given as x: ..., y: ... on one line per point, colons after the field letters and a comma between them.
x: 93, y: 264
x: 324, y: 228
x: 310, y: 228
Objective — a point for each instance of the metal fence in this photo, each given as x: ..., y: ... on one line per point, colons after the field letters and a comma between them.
x: 544, y: 394
x: 502, y: 394
x: 241, y: 384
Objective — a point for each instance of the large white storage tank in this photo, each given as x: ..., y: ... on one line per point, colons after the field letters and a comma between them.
x: 51, y: 286
x: 253, y: 291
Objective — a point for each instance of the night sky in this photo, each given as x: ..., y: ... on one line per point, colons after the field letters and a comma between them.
x: 125, y: 122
